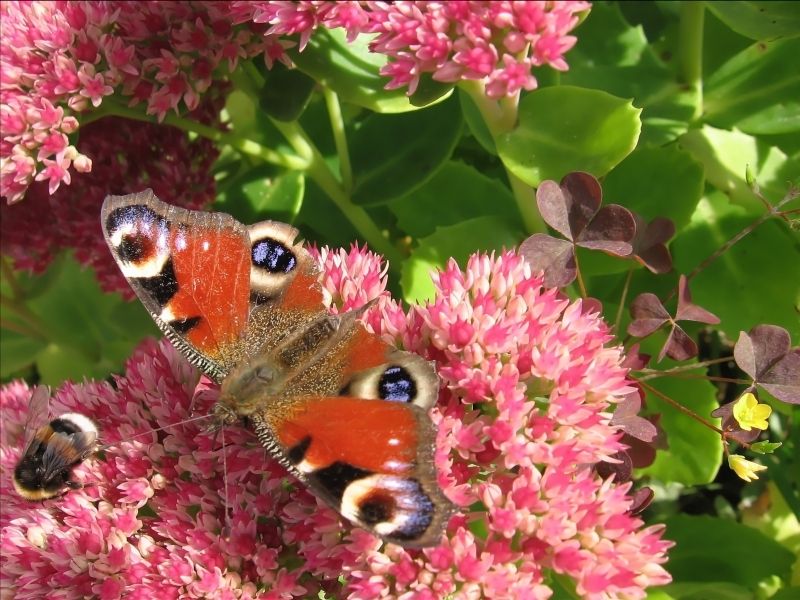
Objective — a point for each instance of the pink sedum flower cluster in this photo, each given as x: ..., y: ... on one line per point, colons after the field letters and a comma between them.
x: 523, y: 422
x: 495, y: 42
x: 129, y: 156
x: 60, y: 59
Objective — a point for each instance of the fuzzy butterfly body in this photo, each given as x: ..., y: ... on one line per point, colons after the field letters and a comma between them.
x: 343, y: 411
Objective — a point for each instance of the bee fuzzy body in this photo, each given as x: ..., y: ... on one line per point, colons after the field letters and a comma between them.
x: 54, y: 450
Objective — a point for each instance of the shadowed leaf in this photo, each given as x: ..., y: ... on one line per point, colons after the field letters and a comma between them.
x: 766, y: 355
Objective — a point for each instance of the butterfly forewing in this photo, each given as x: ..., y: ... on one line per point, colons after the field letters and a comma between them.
x: 345, y: 412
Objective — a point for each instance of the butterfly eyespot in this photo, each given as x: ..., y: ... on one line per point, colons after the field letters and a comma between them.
x: 377, y: 507
x: 135, y: 247
x: 397, y: 385
x: 273, y: 256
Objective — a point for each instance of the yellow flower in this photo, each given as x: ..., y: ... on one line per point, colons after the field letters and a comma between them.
x: 746, y: 469
x: 749, y: 413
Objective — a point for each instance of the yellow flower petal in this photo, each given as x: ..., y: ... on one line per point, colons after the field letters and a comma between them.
x: 749, y: 413
x: 745, y: 469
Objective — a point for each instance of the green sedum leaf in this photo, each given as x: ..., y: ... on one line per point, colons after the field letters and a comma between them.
x: 657, y: 182
x: 695, y: 451
x: 89, y: 333
x: 759, y: 20
x: 758, y: 90
x: 726, y: 157
x: 286, y: 92
x: 394, y: 154
x: 711, y: 549
x: 350, y: 70
x: 258, y: 194
x: 563, y: 129
x: 457, y: 192
x: 457, y: 242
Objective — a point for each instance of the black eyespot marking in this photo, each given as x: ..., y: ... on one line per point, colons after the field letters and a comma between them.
x: 184, y: 326
x: 338, y: 476
x: 298, y: 451
x: 397, y: 385
x: 135, y: 248
x: 421, y: 515
x: 140, y: 215
x: 273, y: 256
x: 163, y: 286
x: 377, y: 507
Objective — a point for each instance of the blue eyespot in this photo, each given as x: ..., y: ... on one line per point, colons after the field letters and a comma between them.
x: 397, y: 385
x: 273, y: 256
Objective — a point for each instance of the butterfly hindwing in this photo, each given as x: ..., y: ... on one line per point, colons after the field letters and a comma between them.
x: 362, y: 439
x: 341, y: 409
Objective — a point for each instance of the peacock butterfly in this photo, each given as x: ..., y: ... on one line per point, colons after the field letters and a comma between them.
x: 343, y: 411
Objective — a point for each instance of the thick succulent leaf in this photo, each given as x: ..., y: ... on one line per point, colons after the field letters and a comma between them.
x: 759, y: 20
x: 593, y: 131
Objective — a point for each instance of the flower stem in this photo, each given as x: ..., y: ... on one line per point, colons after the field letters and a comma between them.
x: 681, y: 408
x: 249, y: 81
x: 29, y: 324
x: 578, y: 273
x: 653, y: 373
x: 339, y: 137
x: 501, y: 117
x: 243, y: 145
x: 624, y: 297
x: 690, y: 58
x: 322, y: 175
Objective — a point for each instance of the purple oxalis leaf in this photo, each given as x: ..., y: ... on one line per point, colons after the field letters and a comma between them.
x: 553, y: 256
x: 688, y: 311
x: 649, y: 244
x: 626, y: 417
x: 611, y: 230
x: 621, y: 470
x: 766, y: 355
x: 648, y: 315
x: 573, y: 209
x: 641, y: 500
x: 569, y: 207
x: 679, y: 346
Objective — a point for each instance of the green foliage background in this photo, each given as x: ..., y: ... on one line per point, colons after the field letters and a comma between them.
x: 674, y: 106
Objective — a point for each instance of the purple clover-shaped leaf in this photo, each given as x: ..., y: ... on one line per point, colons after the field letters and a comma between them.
x: 649, y: 315
x: 649, y: 244
x: 626, y: 417
x: 641, y: 500
x: 635, y: 360
x: 573, y: 209
x: 766, y: 355
x: 622, y: 469
x: 553, y: 256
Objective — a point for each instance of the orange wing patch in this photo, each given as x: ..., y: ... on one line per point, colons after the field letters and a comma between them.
x: 212, y: 269
x: 380, y: 437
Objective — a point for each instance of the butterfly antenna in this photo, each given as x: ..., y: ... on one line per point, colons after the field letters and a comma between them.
x: 149, y: 431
